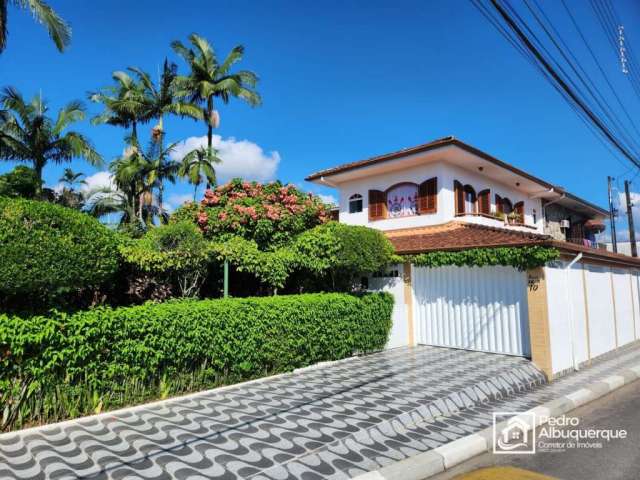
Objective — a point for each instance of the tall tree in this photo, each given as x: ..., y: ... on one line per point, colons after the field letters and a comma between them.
x: 160, y: 101
x: 70, y: 178
x: 209, y: 80
x: 31, y: 136
x: 59, y: 30
x: 197, y: 167
x: 124, y: 104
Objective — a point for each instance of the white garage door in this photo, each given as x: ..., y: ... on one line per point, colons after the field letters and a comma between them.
x: 475, y: 308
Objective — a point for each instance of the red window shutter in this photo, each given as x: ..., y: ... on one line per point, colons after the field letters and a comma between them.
x: 499, y: 208
x: 458, y: 192
x: 484, y: 202
x: 428, y: 196
x: 377, y: 205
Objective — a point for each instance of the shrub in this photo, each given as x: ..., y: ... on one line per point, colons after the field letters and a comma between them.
x: 343, y: 252
x: 91, y: 357
x: 48, y: 251
x: 522, y: 258
x: 269, y: 214
x: 20, y: 182
x: 173, y: 256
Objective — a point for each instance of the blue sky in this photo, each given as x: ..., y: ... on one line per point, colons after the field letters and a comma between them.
x: 340, y: 81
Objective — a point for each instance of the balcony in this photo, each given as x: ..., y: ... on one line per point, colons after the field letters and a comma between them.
x: 588, y: 243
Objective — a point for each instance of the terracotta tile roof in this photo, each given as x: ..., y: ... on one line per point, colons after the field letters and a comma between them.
x: 459, y: 235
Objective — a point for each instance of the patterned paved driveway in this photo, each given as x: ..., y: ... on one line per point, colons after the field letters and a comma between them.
x: 327, y: 423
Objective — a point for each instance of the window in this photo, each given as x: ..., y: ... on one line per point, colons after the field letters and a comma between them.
x: 355, y: 203
x: 469, y: 199
x: 402, y: 200
x: 507, y: 206
x: 534, y: 214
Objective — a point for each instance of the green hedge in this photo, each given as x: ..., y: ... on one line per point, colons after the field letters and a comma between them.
x: 48, y: 251
x: 104, y: 351
x: 522, y: 258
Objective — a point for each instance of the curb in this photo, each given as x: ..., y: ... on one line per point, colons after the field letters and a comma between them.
x: 432, y: 462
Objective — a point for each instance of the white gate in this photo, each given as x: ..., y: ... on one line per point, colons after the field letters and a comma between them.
x: 475, y: 308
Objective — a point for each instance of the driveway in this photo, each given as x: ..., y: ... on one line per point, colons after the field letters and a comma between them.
x: 335, y: 421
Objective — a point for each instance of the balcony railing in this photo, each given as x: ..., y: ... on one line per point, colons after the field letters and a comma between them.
x: 587, y: 243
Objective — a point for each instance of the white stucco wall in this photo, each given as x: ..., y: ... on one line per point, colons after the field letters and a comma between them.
x: 446, y: 174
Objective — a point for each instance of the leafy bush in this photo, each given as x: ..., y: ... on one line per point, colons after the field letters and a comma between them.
x: 271, y: 268
x: 270, y: 214
x: 48, y: 251
x: 171, y: 256
x: 20, y: 182
x: 522, y: 258
x: 89, y: 358
x: 343, y: 252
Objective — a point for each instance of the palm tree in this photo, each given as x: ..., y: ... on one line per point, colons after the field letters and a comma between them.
x: 58, y: 29
x: 197, y: 167
x: 124, y: 195
x: 70, y: 178
x: 209, y: 80
x: 124, y: 104
x: 29, y: 135
x: 158, y: 102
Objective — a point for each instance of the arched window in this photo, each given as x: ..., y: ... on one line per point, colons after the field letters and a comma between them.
x: 402, y: 200
x: 355, y: 203
x: 469, y: 199
x: 507, y: 206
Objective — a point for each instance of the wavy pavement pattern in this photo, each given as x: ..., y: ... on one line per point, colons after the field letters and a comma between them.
x: 330, y: 422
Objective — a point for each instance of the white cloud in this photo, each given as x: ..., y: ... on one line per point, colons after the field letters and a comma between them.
x: 176, y: 200
x: 97, y: 180
x: 240, y: 158
x: 330, y: 199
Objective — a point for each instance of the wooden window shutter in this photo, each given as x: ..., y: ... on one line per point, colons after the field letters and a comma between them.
x: 499, y: 208
x: 458, y: 193
x: 484, y: 202
x: 377, y: 205
x: 428, y: 196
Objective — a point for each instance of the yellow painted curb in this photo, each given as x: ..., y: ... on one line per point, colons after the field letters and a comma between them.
x: 503, y: 473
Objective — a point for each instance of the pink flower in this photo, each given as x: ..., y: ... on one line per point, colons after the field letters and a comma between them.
x: 203, y: 218
x: 222, y: 216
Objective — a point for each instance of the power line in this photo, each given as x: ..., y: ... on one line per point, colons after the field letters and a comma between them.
x: 561, y: 83
x: 582, y: 76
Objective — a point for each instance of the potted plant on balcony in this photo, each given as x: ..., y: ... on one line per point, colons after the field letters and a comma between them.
x: 514, y: 218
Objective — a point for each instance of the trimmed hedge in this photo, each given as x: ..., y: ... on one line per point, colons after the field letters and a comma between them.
x: 48, y: 251
x: 104, y: 349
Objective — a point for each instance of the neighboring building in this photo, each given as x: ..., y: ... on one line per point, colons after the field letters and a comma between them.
x: 447, y: 195
x: 448, y: 180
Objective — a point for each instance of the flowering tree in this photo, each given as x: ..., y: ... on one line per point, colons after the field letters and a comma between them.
x: 270, y: 214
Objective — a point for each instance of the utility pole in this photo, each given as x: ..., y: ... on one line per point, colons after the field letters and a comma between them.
x: 632, y: 230
x: 612, y: 218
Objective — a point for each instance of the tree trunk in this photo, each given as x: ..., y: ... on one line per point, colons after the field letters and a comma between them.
x: 161, y: 165
x: 38, y: 167
x: 209, y: 127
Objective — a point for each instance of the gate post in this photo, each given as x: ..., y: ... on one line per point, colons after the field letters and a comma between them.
x: 539, y: 321
x: 408, y: 301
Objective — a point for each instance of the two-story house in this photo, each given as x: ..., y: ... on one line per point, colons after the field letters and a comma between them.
x: 448, y: 195
x: 447, y: 182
